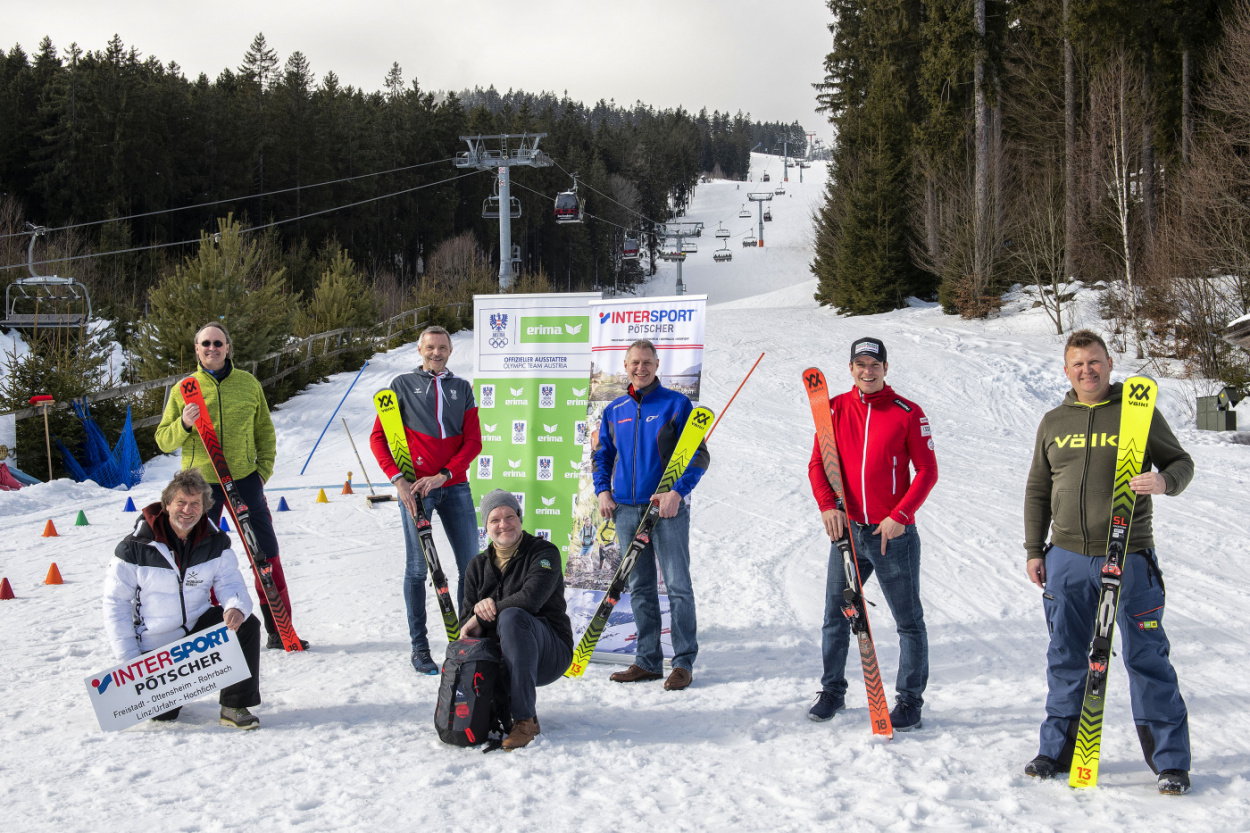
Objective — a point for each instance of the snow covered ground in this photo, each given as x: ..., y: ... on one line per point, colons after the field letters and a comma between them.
x: 347, y: 741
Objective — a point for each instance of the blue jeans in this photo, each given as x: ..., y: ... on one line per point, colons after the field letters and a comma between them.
x: 670, y: 544
x: 1073, y: 582
x: 454, y: 506
x: 533, y: 655
x: 898, y: 574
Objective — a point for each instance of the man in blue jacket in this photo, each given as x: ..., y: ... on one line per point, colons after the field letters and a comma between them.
x: 636, y: 439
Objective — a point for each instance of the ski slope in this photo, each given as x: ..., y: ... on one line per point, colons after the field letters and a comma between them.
x: 347, y: 742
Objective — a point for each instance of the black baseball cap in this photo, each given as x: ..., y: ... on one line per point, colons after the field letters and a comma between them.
x: 874, y: 347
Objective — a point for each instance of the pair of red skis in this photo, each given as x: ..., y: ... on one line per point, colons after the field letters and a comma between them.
x: 192, y: 395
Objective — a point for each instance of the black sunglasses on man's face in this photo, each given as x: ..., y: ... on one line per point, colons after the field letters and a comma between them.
x: 207, y: 343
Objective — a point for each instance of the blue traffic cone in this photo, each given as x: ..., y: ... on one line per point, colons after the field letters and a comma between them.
x: 130, y: 505
x: 282, y: 505
x: 225, y: 527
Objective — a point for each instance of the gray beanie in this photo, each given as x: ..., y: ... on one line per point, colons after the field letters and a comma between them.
x: 493, y: 500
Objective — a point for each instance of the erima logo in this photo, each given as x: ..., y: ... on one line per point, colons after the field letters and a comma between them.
x: 490, y: 427
x: 514, y: 463
x: 579, y: 391
x: 571, y: 330
x: 517, y: 391
x: 547, y: 501
x: 550, y: 429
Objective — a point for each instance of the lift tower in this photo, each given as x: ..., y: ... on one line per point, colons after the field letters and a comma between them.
x: 678, y: 232
x: 761, y: 197
x: 504, y: 152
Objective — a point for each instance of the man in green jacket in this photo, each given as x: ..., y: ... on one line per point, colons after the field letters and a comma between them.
x: 1069, y: 495
x: 240, y: 415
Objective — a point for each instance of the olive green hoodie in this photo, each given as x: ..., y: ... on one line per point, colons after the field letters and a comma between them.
x: 1073, y: 473
x: 240, y: 414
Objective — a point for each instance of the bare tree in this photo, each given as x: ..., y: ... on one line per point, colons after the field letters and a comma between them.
x: 1037, y: 250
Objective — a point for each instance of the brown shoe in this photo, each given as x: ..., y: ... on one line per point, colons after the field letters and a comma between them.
x: 679, y: 679
x: 523, y: 731
x: 634, y: 674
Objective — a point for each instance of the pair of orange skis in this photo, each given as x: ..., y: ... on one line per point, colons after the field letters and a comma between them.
x: 853, y: 596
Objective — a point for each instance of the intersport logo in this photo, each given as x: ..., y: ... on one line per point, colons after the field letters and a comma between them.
x: 554, y: 329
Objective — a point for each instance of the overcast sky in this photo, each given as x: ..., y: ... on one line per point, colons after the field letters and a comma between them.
x: 730, y: 55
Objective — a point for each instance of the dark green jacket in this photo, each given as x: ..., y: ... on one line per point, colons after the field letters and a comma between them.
x: 240, y: 415
x: 1073, y: 474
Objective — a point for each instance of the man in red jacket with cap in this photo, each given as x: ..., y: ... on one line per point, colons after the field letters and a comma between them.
x: 880, y: 437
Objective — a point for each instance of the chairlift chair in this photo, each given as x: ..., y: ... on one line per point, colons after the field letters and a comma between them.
x: 765, y: 178
x: 490, y: 208
x: 49, y: 298
x: 722, y: 232
x: 749, y: 242
x: 689, y: 247
x: 722, y: 255
x: 780, y: 191
x: 670, y: 256
x: 744, y: 214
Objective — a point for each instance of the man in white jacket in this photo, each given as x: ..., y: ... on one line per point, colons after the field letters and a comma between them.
x: 160, y: 583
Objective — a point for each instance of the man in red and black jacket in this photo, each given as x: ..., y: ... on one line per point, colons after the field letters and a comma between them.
x: 444, y: 437
x: 880, y: 437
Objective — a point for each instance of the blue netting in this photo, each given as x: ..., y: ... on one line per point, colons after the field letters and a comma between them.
x: 120, y: 467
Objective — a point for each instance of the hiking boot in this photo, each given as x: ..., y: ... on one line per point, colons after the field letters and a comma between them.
x: 239, y: 718
x: 1173, y: 782
x: 274, y: 642
x: 679, y: 679
x: 1043, y: 767
x: 634, y: 674
x: 423, y: 663
x: 165, y: 717
x: 523, y: 731
x: 905, y: 717
x: 826, y: 706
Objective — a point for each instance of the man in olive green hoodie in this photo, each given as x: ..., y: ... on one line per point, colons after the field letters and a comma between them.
x: 1069, y: 495
x: 240, y: 415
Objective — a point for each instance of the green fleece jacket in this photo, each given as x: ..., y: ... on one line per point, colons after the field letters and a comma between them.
x: 1073, y: 474
x: 240, y: 414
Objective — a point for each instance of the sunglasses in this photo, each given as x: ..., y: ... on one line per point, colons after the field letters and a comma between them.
x: 207, y: 343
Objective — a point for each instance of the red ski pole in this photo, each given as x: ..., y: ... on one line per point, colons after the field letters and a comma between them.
x: 731, y: 399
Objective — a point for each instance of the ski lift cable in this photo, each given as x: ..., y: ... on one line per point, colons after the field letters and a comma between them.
x: 235, y: 199
x: 247, y: 230
x: 585, y: 213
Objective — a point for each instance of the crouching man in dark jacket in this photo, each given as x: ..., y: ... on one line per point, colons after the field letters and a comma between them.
x: 514, y: 592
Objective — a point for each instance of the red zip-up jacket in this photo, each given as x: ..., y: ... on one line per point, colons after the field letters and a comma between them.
x: 440, y: 420
x: 879, y: 436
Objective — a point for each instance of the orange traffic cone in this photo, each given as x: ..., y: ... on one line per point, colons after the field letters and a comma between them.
x: 6, y: 590
x: 321, y: 497
x: 49, y: 530
x: 54, y: 575
x: 347, y: 488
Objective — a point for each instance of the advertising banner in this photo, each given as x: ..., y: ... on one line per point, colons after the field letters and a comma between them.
x: 170, y: 676
x: 531, y: 363
x: 675, y: 325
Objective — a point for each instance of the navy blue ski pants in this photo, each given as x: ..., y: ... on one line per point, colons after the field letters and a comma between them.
x: 1073, y: 582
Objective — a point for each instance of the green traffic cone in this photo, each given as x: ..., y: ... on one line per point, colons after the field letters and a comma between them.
x: 82, y: 519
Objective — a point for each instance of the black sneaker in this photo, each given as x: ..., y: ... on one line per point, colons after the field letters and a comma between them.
x: 239, y: 718
x: 1173, y: 782
x: 165, y: 717
x: 826, y: 706
x: 423, y: 663
x: 904, y: 717
x: 1043, y: 767
x: 274, y: 642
